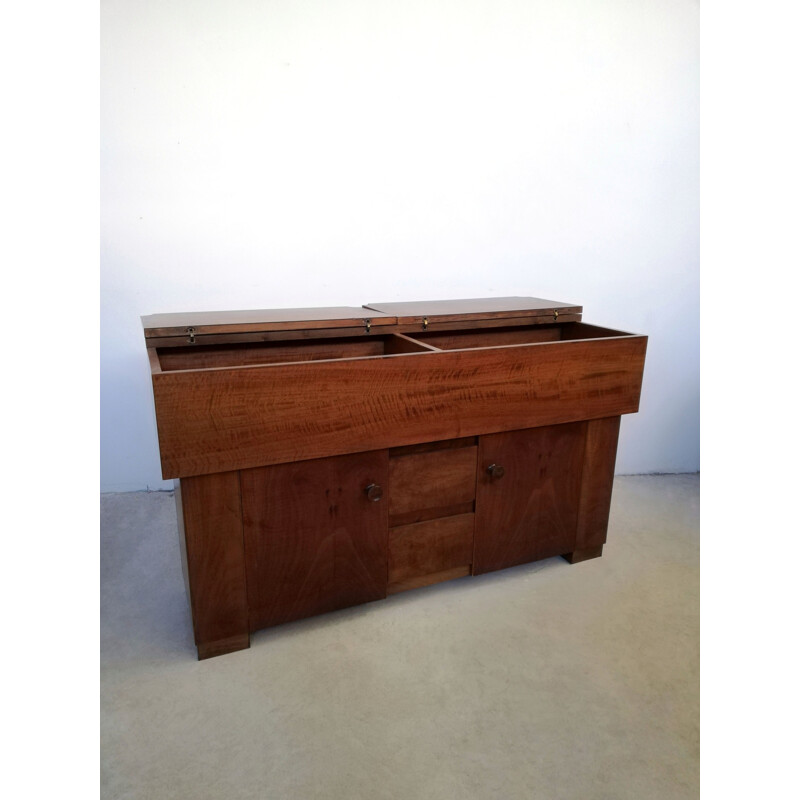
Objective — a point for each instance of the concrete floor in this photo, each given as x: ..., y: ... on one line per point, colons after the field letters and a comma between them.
x: 543, y: 681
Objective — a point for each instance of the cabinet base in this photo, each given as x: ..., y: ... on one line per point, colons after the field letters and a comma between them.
x: 583, y: 555
x: 222, y: 646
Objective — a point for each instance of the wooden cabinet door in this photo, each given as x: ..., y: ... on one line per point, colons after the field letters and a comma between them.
x: 531, y: 512
x: 314, y: 541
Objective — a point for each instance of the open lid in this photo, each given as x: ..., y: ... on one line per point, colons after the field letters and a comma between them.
x: 511, y: 308
x: 206, y: 323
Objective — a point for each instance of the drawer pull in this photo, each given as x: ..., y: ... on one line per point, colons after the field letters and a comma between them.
x: 374, y: 492
x: 496, y: 471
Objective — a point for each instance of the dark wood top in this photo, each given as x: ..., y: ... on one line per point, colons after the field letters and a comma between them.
x: 218, y: 323
x: 205, y: 322
x: 475, y: 308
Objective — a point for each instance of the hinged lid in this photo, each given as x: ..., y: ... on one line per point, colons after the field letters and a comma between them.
x: 511, y: 308
x: 196, y: 325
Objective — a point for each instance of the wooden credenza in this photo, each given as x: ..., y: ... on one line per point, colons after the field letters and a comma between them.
x: 328, y: 457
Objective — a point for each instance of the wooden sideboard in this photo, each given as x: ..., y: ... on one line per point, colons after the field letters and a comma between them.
x: 326, y: 457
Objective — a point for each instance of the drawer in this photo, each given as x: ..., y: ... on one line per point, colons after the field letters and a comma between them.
x: 429, y: 552
x: 440, y: 479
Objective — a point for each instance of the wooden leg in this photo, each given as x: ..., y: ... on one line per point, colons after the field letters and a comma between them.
x: 209, y: 509
x: 596, y: 484
x: 222, y: 646
x: 584, y: 555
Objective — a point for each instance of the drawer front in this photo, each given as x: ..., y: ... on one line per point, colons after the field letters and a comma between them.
x: 437, y: 549
x: 440, y: 479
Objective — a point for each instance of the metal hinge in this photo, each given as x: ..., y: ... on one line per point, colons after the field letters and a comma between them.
x: 368, y: 325
x: 555, y: 314
x: 190, y: 331
x: 424, y: 323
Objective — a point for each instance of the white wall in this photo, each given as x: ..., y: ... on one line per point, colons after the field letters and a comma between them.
x: 269, y: 154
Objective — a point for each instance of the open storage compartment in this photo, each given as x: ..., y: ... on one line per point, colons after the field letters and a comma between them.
x: 227, y: 405
x: 522, y: 334
x: 201, y: 356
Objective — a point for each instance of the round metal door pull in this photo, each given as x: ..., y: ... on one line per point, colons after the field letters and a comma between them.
x: 496, y: 471
x: 374, y: 492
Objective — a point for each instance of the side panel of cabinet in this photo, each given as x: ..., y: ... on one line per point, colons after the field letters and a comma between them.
x: 598, y: 481
x: 314, y: 542
x: 531, y: 512
x: 210, y: 526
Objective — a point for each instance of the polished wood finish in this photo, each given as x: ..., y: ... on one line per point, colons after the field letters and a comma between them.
x: 211, y: 521
x: 221, y: 322
x: 399, y: 343
x: 244, y: 355
x: 255, y: 337
x: 314, y: 541
x: 482, y: 308
x: 431, y: 480
x: 428, y: 580
x: 216, y: 420
x: 182, y: 540
x: 330, y: 457
x: 222, y: 646
x: 425, y: 548
x: 359, y: 328
x: 576, y: 556
x: 436, y: 325
x: 429, y: 447
x: 583, y: 330
x: 183, y: 326
x: 459, y: 340
x: 422, y: 514
x: 600, y: 454
x: 209, y: 357
x: 532, y: 511
x: 155, y: 362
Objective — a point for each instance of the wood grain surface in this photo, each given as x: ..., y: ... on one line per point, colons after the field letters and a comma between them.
x: 279, y: 352
x: 218, y: 322
x: 220, y: 419
x: 313, y: 541
x: 455, y: 340
x: 598, y: 479
x: 456, y: 324
x: 214, y: 546
x: 576, y: 556
x: 257, y: 336
x: 429, y: 480
x: 221, y: 323
x: 204, y: 356
x: 276, y: 332
x: 430, y: 447
x: 422, y: 514
x: 397, y: 343
x: 428, y: 547
x: 482, y: 307
x: 532, y: 511
x: 428, y: 580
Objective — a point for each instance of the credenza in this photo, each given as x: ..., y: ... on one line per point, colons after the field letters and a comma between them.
x: 325, y: 457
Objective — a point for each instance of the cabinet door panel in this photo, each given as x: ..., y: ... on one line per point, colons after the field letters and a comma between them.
x: 531, y: 512
x: 314, y: 541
